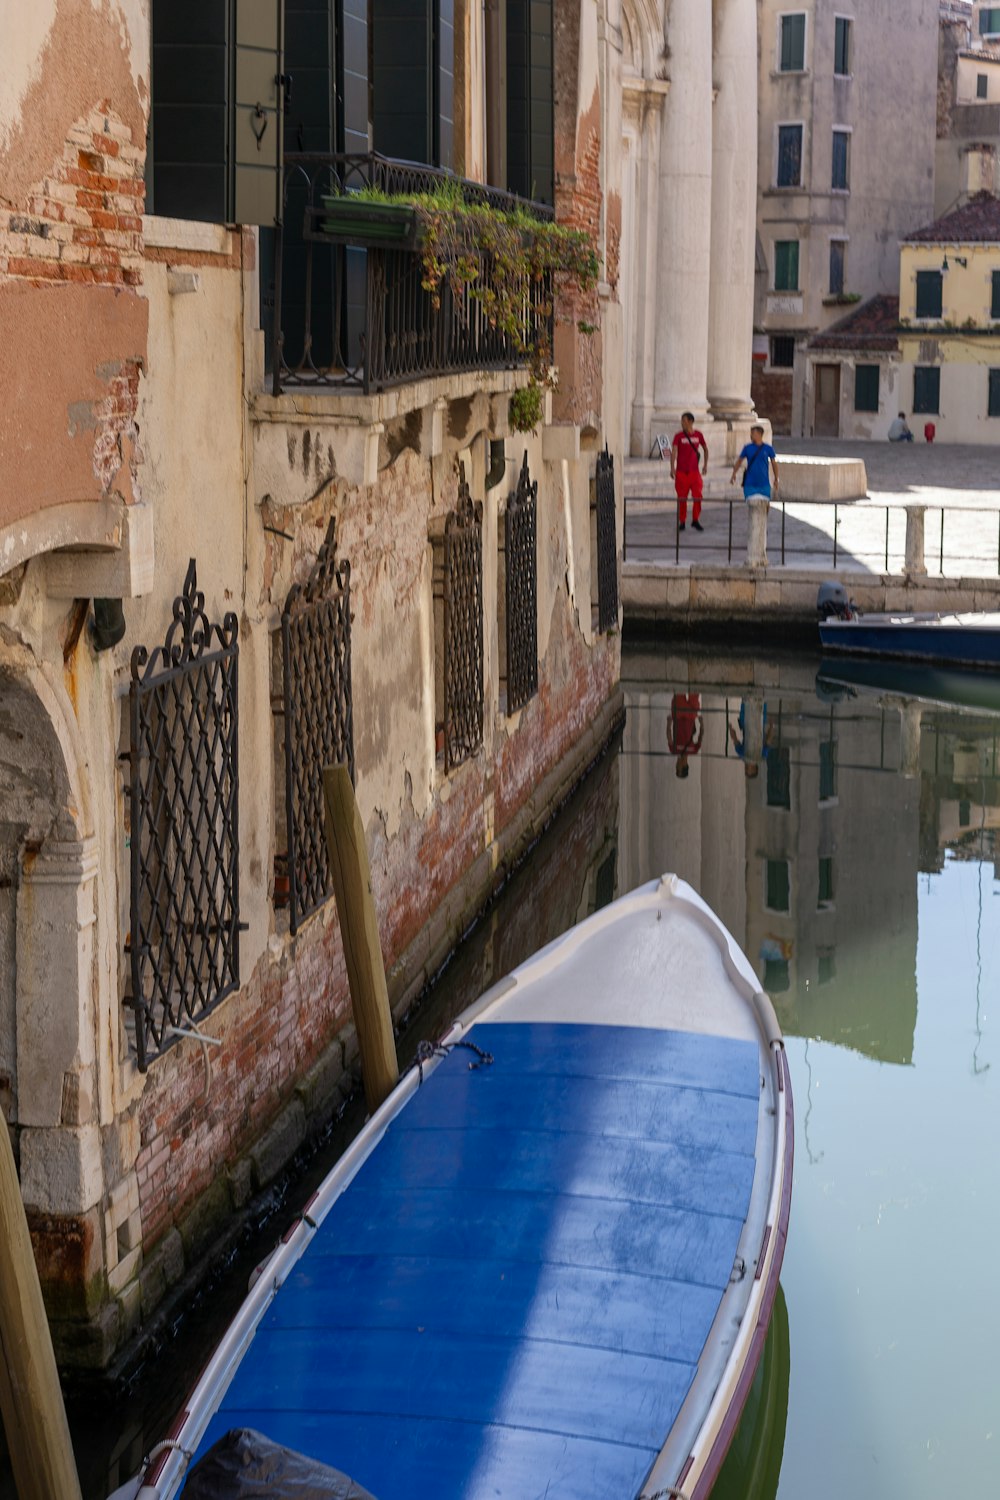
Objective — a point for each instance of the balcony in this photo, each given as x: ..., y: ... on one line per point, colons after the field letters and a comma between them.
x: 352, y: 310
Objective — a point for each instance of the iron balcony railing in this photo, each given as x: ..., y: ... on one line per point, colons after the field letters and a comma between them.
x: 350, y: 308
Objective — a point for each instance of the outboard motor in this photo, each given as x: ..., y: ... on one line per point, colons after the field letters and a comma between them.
x: 832, y: 602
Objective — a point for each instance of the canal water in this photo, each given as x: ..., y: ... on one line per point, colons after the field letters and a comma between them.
x: 846, y: 833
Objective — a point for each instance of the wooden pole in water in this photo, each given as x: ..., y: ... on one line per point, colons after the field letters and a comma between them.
x: 34, y: 1416
x: 352, y: 885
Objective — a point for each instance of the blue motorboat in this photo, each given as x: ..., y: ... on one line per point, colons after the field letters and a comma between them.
x: 969, y: 640
x: 547, y: 1264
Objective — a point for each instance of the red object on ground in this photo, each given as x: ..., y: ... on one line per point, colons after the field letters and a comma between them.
x: 929, y: 431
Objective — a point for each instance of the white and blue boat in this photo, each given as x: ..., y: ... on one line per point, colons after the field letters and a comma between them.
x: 969, y: 640
x: 547, y: 1265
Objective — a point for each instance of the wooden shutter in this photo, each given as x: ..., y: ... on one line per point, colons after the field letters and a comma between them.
x: 189, y: 121
x: 402, y: 82
x: 530, y: 107
x: 258, y: 120
x: 354, y: 113
x: 444, y: 72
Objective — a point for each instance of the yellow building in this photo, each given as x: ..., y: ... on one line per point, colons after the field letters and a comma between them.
x: 941, y: 363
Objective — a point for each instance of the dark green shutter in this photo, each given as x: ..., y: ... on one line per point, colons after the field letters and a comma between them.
x: 444, y: 72
x: 993, y: 409
x: 187, y: 177
x: 866, y: 379
x: 842, y: 46
x: 402, y: 79
x: 786, y: 265
x: 995, y: 301
x: 927, y: 390
x: 530, y: 100
x: 793, y: 44
x: 353, y: 122
x: 929, y: 294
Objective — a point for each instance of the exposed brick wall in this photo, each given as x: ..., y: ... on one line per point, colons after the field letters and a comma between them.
x: 76, y: 238
x: 771, y: 394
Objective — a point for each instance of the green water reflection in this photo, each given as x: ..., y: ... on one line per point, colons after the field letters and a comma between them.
x: 849, y: 841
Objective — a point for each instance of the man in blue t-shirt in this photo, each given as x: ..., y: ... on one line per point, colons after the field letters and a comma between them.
x: 760, y: 460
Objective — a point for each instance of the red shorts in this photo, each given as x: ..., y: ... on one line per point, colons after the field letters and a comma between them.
x: 688, y: 485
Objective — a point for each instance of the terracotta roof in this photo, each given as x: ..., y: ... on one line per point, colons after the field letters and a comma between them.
x: 976, y: 222
x: 871, y: 325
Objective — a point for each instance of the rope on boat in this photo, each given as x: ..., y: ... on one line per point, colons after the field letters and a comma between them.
x: 428, y: 1050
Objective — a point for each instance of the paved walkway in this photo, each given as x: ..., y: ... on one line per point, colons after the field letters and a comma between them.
x: 959, y: 485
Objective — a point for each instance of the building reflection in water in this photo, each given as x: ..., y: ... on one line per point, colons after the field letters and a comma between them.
x: 803, y: 814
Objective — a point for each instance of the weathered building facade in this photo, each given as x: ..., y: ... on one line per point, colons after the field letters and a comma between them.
x: 845, y: 169
x: 284, y: 487
x: 968, y: 112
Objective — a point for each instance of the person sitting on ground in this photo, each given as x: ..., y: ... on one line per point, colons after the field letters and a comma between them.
x: 898, y: 430
x: 685, y: 472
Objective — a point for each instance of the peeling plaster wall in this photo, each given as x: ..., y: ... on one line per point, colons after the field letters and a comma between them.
x: 73, y: 99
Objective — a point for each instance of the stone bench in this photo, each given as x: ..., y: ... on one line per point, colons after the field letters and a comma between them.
x: 822, y: 478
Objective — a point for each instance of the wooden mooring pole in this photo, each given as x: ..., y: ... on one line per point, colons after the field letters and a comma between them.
x: 34, y: 1416
x: 352, y: 884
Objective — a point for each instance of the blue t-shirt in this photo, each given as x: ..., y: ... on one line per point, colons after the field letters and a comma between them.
x: 757, y: 479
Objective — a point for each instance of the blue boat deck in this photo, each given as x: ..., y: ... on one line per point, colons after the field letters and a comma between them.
x: 511, y: 1297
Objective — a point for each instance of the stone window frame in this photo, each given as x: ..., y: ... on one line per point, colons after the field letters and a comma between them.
x: 800, y: 126
x: 847, y: 131
x: 780, y: 19
x: 839, y: 19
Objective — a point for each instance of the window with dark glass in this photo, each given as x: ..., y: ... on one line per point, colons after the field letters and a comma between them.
x: 842, y: 46
x: 927, y: 389
x: 776, y: 978
x: 989, y: 21
x: 826, y: 965
x: 825, y: 895
x: 838, y: 262
x: 866, y: 387
x: 827, y: 750
x: 530, y: 100
x: 778, y: 885
x: 993, y: 408
x: 840, y: 179
x: 929, y: 284
x: 995, y: 300
x: 793, y: 44
x: 779, y: 777
x: 786, y: 265
x: 783, y: 351
x: 982, y: 86
x: 789, y: 172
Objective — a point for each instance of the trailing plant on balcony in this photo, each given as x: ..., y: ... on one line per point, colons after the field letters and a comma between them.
x: 526, y: 408
x: 457, y: 239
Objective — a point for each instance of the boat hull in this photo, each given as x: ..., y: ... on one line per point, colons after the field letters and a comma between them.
x: 958, y: 639
x: 553, y: 1253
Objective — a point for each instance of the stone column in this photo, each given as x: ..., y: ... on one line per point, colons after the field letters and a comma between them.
x: 685, y: 223
x: 757, y: 510
x: 914, y: 564
x: 734, y: 209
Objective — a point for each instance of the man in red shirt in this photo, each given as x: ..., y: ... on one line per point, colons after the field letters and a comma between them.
x: 688, y: 446
x: 685, y: 729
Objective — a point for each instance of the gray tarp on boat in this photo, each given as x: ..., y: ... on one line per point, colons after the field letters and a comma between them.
x: 245, y: 1465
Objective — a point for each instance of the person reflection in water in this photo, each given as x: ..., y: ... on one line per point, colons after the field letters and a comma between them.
x: 751, y: 735
x: 685, y: 729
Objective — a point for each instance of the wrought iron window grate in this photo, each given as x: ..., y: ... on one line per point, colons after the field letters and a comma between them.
x: 463, y: 628
x: 318, y: 715
x: 184, y: 813
x: 607, y: 544
x: 521, y: 586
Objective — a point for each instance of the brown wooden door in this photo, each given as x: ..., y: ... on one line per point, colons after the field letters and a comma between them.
x: 827, y: 419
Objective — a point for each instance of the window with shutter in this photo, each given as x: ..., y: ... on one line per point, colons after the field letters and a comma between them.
x: 216, y: 119
x: 929, y: 292
x: 793, y: 44
x: 842, y: 47
x: 530, y: 96
x: 789, y: 173
x: 927, y: 390
x: 995, y: 299
x: 840, y: 177
x: 993, y: 406
x: 786, y: 265
x: 838, y: 261
x: 866, y: 379
x: 413, y: 69
x: 989, y: 21
x: 982, y: 86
